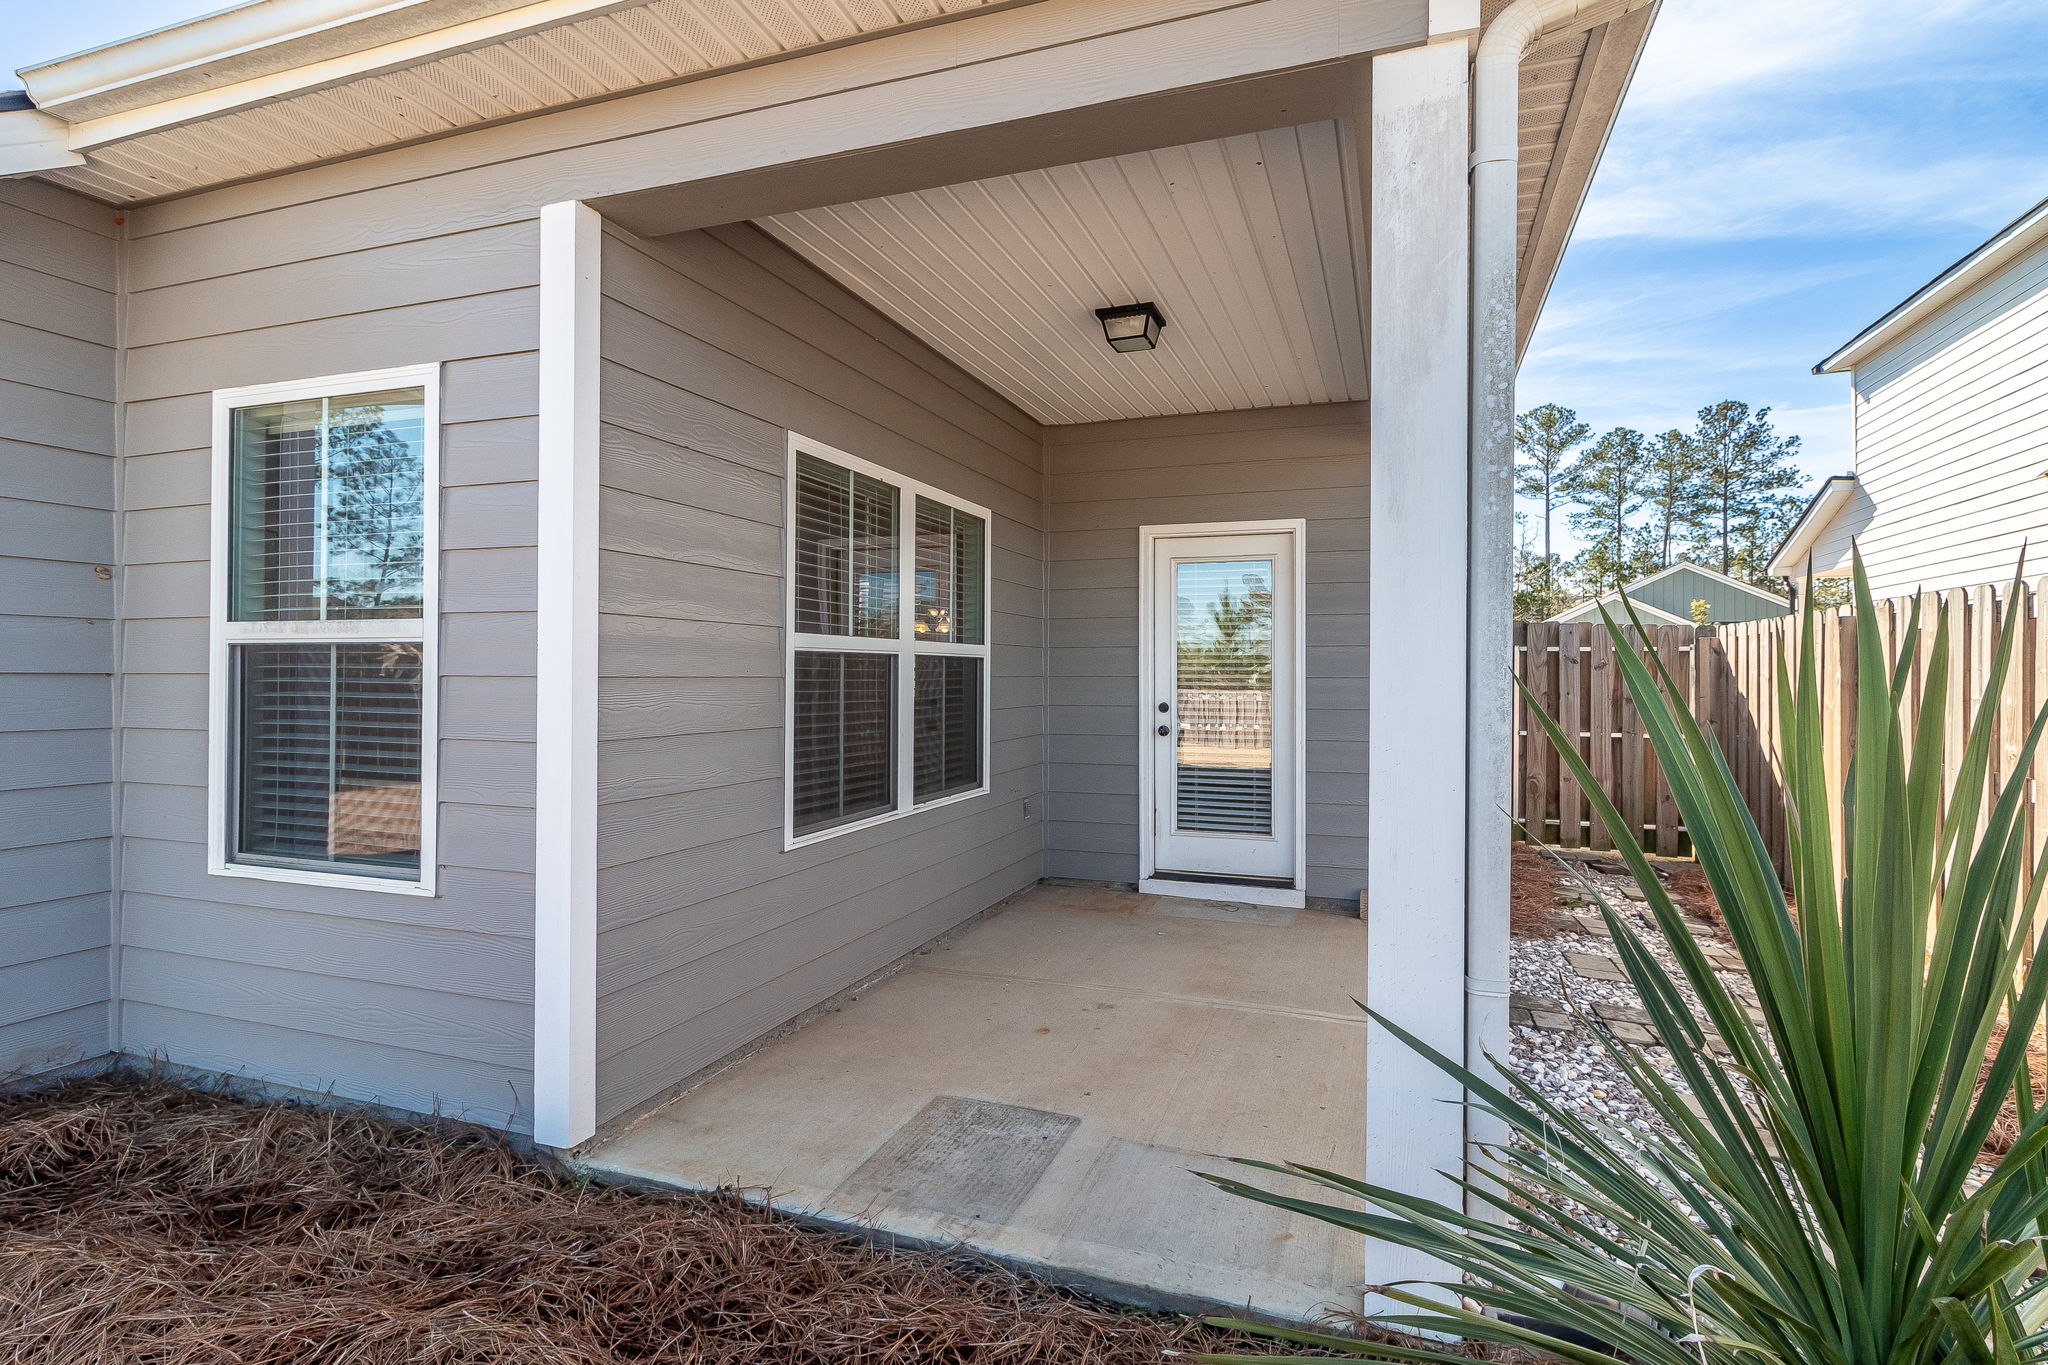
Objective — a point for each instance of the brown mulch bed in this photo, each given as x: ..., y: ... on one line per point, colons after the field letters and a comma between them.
x: 141, y: 1221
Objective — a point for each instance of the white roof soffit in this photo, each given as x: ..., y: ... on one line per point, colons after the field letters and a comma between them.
x: 218, y: 50
x: 277, y: 84
x: 2009, y: 241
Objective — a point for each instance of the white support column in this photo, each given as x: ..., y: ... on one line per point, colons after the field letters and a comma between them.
x: 565, y: 682
x: 1416, y: 821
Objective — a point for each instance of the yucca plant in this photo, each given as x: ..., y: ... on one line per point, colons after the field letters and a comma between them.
x: 1810, y: 1197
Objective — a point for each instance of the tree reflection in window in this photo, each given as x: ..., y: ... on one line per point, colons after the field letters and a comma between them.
x: 330, y: 508
x: 376, y: 529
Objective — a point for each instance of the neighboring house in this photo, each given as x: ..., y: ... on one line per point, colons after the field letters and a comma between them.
x: 1951, y: 408
x: 543, y: 541
x: 1665, y: 598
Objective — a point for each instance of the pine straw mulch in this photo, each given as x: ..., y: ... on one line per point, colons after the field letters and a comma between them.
x: 1542, y: 895
x: 1536, y: 904
x: 141, y: 1221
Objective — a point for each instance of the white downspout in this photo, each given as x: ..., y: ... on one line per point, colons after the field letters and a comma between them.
x: 1496, y: 111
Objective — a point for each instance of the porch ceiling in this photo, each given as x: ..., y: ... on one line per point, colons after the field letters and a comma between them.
x: 1248, y: 244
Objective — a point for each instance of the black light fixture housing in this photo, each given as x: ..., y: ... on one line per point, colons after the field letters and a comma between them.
x: 1131, y: 326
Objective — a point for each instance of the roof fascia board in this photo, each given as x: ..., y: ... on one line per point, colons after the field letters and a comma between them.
x: 31, y: 141
x: 332, y: 71
x: 2017, y: 236
x: 1832, y: 497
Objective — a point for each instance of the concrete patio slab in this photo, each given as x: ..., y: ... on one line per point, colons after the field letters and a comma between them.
x: 1040, y: 1087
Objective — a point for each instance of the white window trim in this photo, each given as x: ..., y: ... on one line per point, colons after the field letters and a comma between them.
x: 223, y: 634
x: 905, y: 646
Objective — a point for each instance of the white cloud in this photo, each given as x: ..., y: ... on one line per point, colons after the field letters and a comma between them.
x: 1701, y: 189
x: 1752, y: 118
x: 1701, y: 48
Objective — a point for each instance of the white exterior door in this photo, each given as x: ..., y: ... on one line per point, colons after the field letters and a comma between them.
x: 1222, y: 725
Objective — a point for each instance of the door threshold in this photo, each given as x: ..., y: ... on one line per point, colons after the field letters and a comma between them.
x: 1250, y: 893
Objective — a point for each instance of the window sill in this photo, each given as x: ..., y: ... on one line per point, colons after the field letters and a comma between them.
x: 792, y: 842
x: 346, y: 881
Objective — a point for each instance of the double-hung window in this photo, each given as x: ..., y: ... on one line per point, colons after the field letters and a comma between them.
x: 888, y: 644
x: 322, y: 667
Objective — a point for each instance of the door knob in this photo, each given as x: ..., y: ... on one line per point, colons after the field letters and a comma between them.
x: 1166, y: 729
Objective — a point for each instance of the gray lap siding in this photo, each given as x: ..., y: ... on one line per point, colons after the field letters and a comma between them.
x: 57, y: 333
x: 715, y: 345
x: 1108, y: 479
x: 421, y: 1003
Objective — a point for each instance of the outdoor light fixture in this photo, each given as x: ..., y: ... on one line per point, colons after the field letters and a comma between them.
x: 1132, y: 326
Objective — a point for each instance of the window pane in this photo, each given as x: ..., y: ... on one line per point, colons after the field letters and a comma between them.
x: 948, y: 740
x: 843, y: 750
x: 950, y: 546
x: 1223, y: 695
x: 328, y: 768
x: 329, y: 508
x: 846, y: 573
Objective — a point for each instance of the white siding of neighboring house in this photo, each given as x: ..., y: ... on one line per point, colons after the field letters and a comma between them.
x: 1952, y: 440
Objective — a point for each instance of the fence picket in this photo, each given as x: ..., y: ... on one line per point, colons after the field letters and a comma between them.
x: 1604, y: 695
x: 1571, y: 717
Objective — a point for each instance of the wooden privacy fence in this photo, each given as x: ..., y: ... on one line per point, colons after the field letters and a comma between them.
x: 1570, y: 670
x: 1728, y: 675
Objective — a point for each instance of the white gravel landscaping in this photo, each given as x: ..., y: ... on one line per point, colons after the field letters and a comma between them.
x: 1552, y: 1041
x: 1559, y: 981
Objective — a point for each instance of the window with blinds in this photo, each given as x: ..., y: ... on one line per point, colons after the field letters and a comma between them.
x: 949, y: 573
x: 948, y: 722
x: 323, y: 633
x: 329, y: 759
x: 330, y: 521
x: 887, y: 690
x: 845, y: 538
x: 843, y: 764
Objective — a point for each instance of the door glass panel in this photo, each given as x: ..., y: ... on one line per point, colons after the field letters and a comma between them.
x: 1223, y: 696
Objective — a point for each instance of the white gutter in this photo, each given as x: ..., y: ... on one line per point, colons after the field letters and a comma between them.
x: 1496, y: 76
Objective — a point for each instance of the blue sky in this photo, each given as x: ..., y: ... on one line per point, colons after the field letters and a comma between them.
x: 1784, y: 171
x: 1774, y: 184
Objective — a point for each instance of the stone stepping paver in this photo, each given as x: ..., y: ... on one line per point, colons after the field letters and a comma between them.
x: 1536, y: 1011
x: 1596, y: 966
x: 1627, y: 1023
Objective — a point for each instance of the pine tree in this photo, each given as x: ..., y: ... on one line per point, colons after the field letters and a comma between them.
x: 1545, y: 438
x: 1605, y: 488
x: 1745, y: 468
x: 1677, y: 499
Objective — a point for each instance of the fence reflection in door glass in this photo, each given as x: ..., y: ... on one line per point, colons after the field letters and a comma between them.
x: 1223, y: 696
